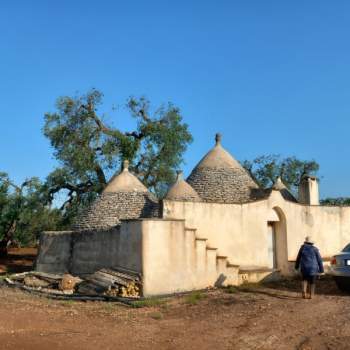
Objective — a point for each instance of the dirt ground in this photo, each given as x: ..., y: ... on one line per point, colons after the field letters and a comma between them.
x: 270, y: 316
x: 254, y: 317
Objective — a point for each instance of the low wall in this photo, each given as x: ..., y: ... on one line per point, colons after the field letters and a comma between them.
x: 164, y: 262
x: 54, y: 253
x: 81, y: 252
x: 93, y: 250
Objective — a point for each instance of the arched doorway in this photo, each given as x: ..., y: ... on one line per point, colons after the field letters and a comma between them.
x: 277, y: 240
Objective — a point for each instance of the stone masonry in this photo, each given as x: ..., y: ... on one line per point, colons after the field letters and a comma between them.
x: 110, y: 208
x: 220, y: 185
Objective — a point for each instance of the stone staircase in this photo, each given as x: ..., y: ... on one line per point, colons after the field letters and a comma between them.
x: 207, y: 266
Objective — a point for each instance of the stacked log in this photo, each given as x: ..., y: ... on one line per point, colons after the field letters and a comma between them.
x: 32, y: 281
x: 116, y: 282
x: 112, y: 282
x: 68, y: 283
x: 37, y: 279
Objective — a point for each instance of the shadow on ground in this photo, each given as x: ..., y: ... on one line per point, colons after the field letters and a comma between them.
x: 291, y: 288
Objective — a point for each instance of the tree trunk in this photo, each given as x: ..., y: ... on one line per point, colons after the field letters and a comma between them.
x: 3, y: 248
x: 6, y: 241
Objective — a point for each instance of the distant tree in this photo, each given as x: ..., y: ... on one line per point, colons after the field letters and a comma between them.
x: 265, y: 170
x: 88, y: 148
x: 23, y: 213
x: 340, y: 201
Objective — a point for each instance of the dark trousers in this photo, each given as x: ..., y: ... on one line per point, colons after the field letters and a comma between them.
x: 308, y: 286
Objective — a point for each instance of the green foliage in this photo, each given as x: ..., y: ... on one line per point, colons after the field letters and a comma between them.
x: 266, y: 169
x: 23, y: 211
x: 231, y: 290
x: 341, y: 201
x: 194, y: 297
x: 88, y: 148
x: 149, y: 302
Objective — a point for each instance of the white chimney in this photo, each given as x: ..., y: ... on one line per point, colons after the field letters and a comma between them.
x: 308, y: 190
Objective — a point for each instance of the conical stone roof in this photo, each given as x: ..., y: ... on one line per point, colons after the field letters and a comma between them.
x: 124, y: 197
x: 219, y: 178
x: 282, y: 188
x: 182, y: 191
x: 279, y: 185
x: 124, y: 182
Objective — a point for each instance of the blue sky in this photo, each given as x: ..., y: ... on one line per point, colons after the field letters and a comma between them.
x: 271, y: 76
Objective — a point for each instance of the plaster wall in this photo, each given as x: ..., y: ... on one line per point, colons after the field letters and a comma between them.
x: 164, y: 260
x: 239, y: 231
x: 171, y: 260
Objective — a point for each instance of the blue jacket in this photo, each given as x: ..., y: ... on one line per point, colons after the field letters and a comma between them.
x: 309, y: 260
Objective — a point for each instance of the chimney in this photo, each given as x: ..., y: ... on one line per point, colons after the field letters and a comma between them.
x: 308, y: 190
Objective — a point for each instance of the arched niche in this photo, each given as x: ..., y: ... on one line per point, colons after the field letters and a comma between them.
x: 277, y: 240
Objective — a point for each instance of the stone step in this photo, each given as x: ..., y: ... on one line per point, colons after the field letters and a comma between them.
x: 221, y: 264
x: 232, y: 278
x: 211, y: 261
x: 201, y: 254
x: 254, y: 274
x: 190, y: 249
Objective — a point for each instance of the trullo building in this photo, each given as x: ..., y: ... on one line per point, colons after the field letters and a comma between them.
x: 215, y: 228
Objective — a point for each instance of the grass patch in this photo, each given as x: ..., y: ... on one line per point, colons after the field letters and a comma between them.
x: 68, y: 302
x: 248, y: 286
x: 2, y: 277
x: 194, y: 297
x: 156, y: 315
x: 231, y: 290
x: 148, y: 302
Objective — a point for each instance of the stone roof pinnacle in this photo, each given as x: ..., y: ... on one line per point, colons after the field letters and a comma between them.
x: 278, y: 185
x: 218, y: 138
x: 125, y: 165
x: 180, y: 175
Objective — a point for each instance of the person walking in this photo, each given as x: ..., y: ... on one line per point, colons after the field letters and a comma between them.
x: 310, y: 262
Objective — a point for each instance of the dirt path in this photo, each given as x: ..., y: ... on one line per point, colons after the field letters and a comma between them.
x: 269, y: 317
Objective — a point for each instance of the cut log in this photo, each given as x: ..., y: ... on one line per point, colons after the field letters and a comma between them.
x: 68, y: 282
x: 123, y: 273
x: 32, y: 281
x: 112, y: 283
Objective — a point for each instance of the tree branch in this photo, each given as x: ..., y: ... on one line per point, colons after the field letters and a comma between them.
x: 78, y: 189
x: 100, y: 175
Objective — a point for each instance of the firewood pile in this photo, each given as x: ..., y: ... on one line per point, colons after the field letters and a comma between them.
x: 112, y: 282
x: 116, y: 282
x: 46, y: 282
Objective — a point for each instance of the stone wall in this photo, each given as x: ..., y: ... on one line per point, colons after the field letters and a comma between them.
x: 54, y: 252
x: 94, y: 250
x: 76, y: 252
